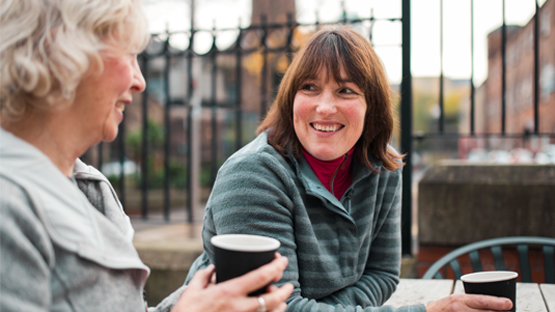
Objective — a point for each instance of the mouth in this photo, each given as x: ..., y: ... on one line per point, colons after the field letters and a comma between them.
x: 326, y: 127
x: 120, y: 106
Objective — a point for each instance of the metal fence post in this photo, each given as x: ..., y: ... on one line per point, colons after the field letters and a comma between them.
x: 406, y: 133
x: 239, y: 86
x: 167, y: 129
x: 144, y: 146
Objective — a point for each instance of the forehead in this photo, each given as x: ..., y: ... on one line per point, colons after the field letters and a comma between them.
x: 323, y: 74
x: 328, y: 66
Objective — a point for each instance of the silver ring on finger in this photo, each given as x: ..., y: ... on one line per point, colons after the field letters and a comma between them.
x: 262, y: 307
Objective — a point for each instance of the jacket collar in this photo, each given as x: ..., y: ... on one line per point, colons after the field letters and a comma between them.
x: 67, y: 215
x: 314, y: 186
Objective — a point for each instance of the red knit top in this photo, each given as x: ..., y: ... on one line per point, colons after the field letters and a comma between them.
x: 337, y: 170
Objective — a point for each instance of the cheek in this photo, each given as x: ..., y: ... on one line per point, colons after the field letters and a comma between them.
x: 120, y: 75
x: 299, y: 117
x: 296, y: 112
x: 300, y: 110
x: 357, y: 116
x: 125, y: 79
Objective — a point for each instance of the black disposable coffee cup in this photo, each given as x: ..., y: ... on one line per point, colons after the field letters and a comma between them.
x: 238, y: 254
x: 493, y: 283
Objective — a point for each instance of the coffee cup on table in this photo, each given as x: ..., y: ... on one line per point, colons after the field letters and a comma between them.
x: 493, y: 283
x: 238, y: 254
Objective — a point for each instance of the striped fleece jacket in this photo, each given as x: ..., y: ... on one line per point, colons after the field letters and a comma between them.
x: 343, y: 255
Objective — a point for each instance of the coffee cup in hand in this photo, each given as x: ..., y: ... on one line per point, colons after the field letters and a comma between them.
x: 493, y: 283
x: 238, y: 254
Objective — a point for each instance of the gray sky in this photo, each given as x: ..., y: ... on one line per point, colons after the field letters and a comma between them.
x: 387, y: 35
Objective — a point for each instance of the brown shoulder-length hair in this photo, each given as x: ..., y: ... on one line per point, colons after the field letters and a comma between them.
x: 334, y: 49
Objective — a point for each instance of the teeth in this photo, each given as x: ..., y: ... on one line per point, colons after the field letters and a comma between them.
x: 120, y: 106
x: 328, y: 128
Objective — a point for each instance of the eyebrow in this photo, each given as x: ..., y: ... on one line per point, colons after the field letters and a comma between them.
x: 342, y: 80
x: 346, y: 80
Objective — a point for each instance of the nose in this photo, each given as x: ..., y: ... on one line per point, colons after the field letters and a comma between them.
x: 326, y: 104
x: 139, y: 83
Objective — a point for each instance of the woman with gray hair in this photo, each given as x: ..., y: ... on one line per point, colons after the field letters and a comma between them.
x: 68, y: 69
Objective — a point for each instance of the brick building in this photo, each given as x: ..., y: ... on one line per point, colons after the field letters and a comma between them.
x: 519, y: 95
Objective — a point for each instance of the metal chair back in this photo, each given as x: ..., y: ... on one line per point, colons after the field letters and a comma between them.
x: 496, y: 245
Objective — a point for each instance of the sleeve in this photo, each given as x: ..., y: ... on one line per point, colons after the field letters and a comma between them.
x: 26, y: 254
x: 167, y: 304
x: 251, y: 195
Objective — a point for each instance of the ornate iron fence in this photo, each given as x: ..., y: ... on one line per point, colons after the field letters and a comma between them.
x: 226, y: 107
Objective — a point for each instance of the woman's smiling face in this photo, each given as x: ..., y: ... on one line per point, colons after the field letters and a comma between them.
x: 328, y: 115
x: 101, y: 97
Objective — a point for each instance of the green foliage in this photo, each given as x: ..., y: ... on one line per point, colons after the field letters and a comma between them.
x: 205, y: 176
x: 421, y: 111
x: 425, y: 102
x: 155, y: 139
x: 114, y: 180
x: 155, y: 164
x: 177, y: 175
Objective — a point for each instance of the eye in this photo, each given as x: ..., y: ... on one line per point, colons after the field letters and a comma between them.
x: 308, y: 87
x: 347, y: 91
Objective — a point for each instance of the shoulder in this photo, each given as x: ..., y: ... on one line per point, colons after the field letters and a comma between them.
x: 21, y: 226
x: 13, y: 199
x: 257, y: 155
x: 256, y: 167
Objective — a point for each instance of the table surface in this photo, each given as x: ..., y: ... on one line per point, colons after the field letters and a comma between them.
x: 530, y: 297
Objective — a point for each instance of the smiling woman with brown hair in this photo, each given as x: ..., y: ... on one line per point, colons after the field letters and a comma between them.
x: 342, y: 53
x: 322, y: 178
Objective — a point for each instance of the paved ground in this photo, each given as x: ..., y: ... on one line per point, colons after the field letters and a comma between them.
x: 167, y: 244
x: 156, y: 219
x: 157, y: 233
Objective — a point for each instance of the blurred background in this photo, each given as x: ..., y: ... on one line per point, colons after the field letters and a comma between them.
x: 473, y: 81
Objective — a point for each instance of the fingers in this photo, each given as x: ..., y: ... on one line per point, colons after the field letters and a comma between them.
x: 202, y: 277
x: 282, y: 306
x: 278, y: 277
x: 482, y: 302
x: 276, y: 296
x: 259, y: 277
x: 464, y: 302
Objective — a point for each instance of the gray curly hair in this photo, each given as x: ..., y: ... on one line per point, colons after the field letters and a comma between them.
x: 48, y: 45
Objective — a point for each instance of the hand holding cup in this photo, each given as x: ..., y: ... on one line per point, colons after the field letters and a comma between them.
x: 493, y: 283
x: 238, y: 254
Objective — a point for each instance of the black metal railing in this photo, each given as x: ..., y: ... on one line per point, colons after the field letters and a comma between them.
x: 166, y: 52
x: 268, y: 80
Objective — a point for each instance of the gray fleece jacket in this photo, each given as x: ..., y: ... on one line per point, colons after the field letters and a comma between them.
x: 344, y: 255
x: 65, y: 244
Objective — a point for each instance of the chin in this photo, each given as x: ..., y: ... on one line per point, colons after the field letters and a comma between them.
x: 110, y: 136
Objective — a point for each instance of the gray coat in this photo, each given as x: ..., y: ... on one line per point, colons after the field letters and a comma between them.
x: 344, y: 255
x: 65, y: 244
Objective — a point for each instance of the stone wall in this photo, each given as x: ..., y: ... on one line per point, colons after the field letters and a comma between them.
x: 169, y: 251
x: 459, y: 204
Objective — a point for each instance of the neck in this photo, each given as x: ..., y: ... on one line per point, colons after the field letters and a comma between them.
x: 335, y: 174
x: 51, y: 134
